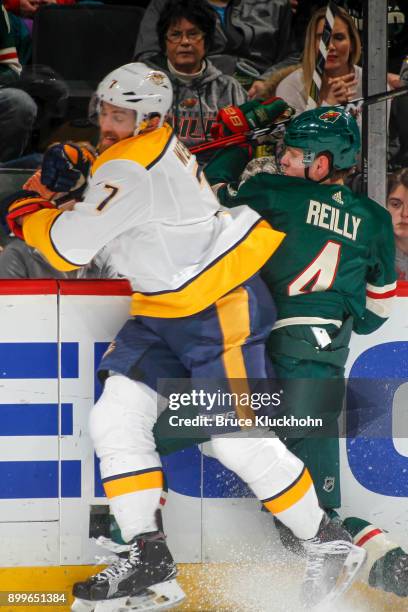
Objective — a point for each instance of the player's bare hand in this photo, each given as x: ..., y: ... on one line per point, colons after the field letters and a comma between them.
x: 342, y: 89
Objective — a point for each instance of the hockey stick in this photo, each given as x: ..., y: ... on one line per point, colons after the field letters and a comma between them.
x: 237, y: 139
x: 374, y: 98
x: 316, y: 84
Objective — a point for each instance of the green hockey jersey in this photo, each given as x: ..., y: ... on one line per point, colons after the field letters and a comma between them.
x: 338, y: 256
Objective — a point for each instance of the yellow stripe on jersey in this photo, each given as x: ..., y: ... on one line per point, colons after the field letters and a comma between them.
x: 231, y: 270
x: 152, y: 479
x: 233, y: 316
x: 290, y: 496
x: 23, y: 202
x: 145, y: 149
x: 36, y: 231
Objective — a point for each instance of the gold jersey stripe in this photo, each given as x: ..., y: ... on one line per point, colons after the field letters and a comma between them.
x: 234, y: 319
x: 231, y: 270
x: 290, y: 496
x: 37, y: 233
x: 132, y: 484
x: 150, y: 147
x: 23, y: 202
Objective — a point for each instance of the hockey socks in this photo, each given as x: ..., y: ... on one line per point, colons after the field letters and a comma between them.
x: 387, y: 564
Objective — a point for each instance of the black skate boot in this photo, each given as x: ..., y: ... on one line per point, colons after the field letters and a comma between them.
x: 292, y: 542
x: 289, y: 540
x: 142, y: 579
x: 332, y: 563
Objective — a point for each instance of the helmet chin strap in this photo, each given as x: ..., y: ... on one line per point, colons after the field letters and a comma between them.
x: 328, y: 175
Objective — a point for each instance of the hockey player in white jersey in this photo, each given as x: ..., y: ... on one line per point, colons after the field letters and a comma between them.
x: 199, y: 310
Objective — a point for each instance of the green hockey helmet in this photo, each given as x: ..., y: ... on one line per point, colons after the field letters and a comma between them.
x: 326, y: 129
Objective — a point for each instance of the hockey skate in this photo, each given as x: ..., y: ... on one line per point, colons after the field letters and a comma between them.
x: 142, y: 579
x: 332, y: 564
x: 390, y: 573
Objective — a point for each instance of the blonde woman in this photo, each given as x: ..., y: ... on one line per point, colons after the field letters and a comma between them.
x: 342, y: 78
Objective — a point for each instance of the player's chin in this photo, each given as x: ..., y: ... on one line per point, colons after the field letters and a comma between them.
x: 105, y: 143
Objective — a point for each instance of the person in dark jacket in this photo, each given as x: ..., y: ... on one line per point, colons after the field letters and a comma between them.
x: 17, y: 109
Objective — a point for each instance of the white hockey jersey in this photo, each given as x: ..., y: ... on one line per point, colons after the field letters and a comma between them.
x: 164, y: 229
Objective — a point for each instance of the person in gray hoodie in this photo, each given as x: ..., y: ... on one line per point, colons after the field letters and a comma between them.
x: 185, y: 31
x: 252, y: 39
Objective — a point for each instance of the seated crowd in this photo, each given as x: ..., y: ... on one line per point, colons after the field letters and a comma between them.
x: 216, y: 53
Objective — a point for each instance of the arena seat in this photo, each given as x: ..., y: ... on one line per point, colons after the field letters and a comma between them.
x: 83, y: 42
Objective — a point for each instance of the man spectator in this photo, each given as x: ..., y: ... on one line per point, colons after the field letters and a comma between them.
x: 17, y: 109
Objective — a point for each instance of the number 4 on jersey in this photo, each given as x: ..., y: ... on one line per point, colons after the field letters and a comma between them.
x: 319, y: 275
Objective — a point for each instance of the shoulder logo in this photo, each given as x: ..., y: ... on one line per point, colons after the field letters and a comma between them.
x: 337, y: 197
x: 330, y: 116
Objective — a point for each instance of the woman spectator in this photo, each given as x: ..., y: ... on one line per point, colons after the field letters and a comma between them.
x: 252, y: 39
x: 397, y: 204
x: 342, y: 78
x: 185, y: 31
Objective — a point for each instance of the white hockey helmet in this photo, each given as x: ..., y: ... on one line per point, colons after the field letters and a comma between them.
x: 139, y: 88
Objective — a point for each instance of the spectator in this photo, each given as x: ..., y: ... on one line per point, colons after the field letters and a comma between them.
x: 18, y: 260
x: 398, y: 134
x: 17, y: 109
x: 28, y: 8
x: 342, y: 79
x: 185, y: 32
x: 397, y: 204
x: 251, y: 38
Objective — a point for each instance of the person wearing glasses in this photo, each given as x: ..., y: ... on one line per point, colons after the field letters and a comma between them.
x: 252, y: 39
x: 185, y: 31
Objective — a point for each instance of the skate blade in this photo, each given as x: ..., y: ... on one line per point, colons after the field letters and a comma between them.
x: 352, y: 565
x: 82, y: 605
x: 107, y: 605
x: 161, y: 596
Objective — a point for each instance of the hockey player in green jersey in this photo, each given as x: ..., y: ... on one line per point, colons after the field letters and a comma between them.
x: 334, y: 274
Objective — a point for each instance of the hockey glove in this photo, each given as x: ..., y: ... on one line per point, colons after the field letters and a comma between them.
x: 65, y: 168
x: 249, y: 116
x: 33, y: 183
x: 18, y: 204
